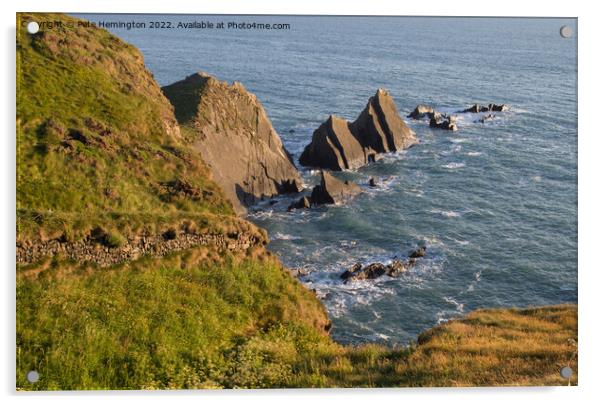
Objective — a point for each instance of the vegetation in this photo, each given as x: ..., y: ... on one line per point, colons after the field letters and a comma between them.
x: 98, y: 147
x: 96, y: 135
x: 179, y: 322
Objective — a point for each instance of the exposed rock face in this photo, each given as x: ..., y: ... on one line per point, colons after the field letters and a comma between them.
x: 339, y: 145
x: 234, y: 136
x: 332, y: 190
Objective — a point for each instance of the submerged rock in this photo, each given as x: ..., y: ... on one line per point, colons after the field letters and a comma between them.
x: 372, y: 182
x: 339, y: 145
x: 231, y: 130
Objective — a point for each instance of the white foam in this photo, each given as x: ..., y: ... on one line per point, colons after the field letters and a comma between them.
x: 446, y: 213
x: 283, y: 236
x: 453, y: 166
x: 474, y: 154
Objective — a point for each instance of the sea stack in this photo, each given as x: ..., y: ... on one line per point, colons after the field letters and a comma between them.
x: 339, y: 145
x: 231, y: 130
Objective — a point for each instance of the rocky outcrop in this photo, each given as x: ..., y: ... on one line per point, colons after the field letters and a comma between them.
x: 340, y: 145
x: 232, y: 132
x: 476, y: 108
x: 443, y: 121
x: 422, y: 111
x: 330, y: 191
x: 375, y: 270
x: 436, y: 119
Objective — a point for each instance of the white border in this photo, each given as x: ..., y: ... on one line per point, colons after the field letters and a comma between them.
x: 590, y: 133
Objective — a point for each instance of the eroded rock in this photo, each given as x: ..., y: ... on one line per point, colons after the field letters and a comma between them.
x: 231, y: 130
x: 339, y: 145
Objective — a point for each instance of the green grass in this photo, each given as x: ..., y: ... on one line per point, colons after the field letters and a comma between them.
x: 95, y: 134
x: 180, y: 322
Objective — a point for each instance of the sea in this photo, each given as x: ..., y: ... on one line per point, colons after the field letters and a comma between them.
x: 495, y: 203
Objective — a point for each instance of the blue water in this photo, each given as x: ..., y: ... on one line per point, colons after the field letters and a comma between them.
x: 496, y: 203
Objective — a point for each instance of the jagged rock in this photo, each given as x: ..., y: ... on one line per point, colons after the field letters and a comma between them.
x: 442, y: 121
x: 372, y: 182
x: 482, y: 108
x: 422, y: 111
x: 235, y: 138
x: 374, y: 270
x: 334, y: 147
x: 338, y: 144
x: 303, y: 203
x: 351, y: 271
x: 332, y: 190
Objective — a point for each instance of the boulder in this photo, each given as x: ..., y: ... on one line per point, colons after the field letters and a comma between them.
x: 418, y: 252
x: 396, y: 268
x: 332, y: 190
x: 442, y: 121
x: 338, y: 144
x: 231, y: 130
x: 498, y: 108
x: 351, y: 272
x: 303, y: 203
x: 422, y: 111
x: 372, y: 182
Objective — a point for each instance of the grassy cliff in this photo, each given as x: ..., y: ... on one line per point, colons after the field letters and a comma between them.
x: 99, y: 152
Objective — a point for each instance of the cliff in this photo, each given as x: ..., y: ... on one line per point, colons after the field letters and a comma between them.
x: 229, y: 128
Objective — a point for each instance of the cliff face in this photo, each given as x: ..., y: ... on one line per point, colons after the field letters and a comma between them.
x: 339, y: 145
x: 230, y: 129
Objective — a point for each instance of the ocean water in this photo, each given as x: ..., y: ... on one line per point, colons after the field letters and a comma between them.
x: 495, y: 203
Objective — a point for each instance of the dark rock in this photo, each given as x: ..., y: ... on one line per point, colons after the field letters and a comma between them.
x: 418, y: 252
x: 371, y: 271
x: 372, y: 182
x: 351, y: 271
x: 235, y: 138
x: 442, y: 121
x: 396, y: 268
x: 498, y: 108
x: 338, y: 144
x: 334, y: 147
x: 422, y: 111
x: 302, y: 203
x: 332, y: 190
x: 476, y: 108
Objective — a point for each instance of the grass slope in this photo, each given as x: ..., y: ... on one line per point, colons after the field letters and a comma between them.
x: 96, y: 135
x: 179, y: 323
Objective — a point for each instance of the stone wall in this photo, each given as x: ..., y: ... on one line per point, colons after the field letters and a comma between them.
x: 90, y: 250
